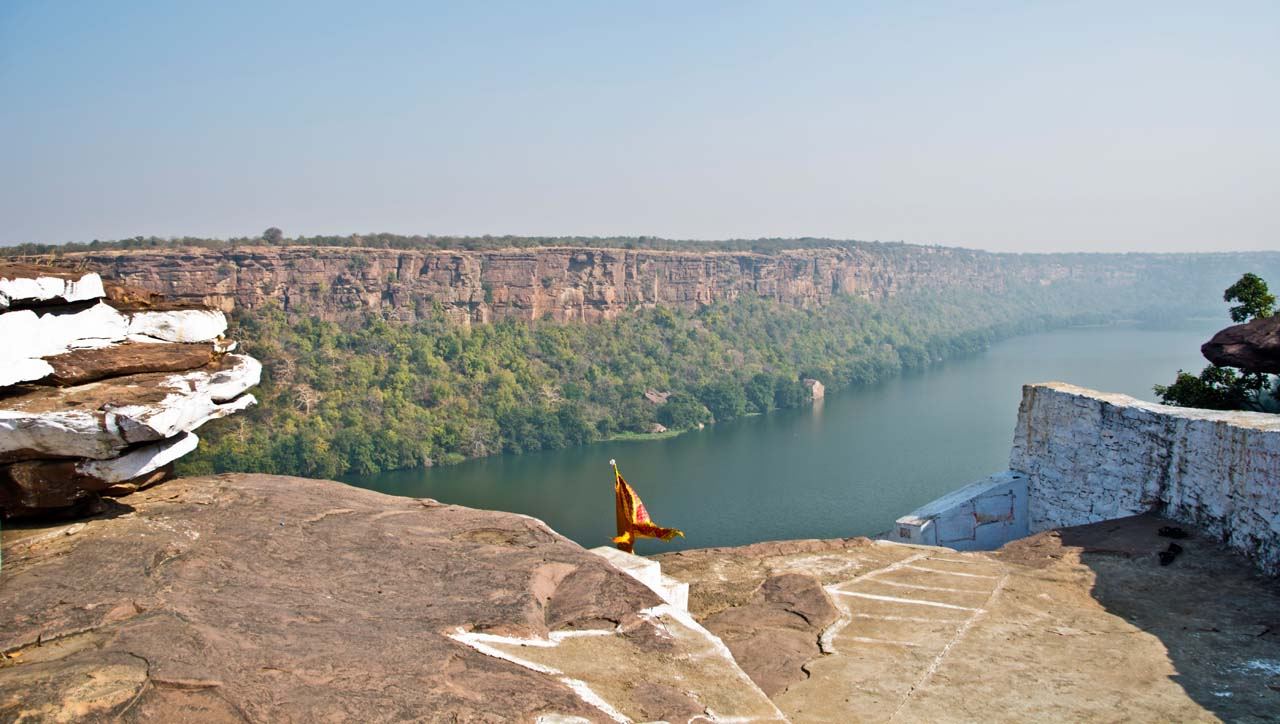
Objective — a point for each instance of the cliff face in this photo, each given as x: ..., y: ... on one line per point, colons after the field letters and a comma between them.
x: 555, y: 283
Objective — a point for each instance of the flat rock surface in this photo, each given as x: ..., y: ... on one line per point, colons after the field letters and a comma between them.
x: 1082, y: 624
x: 266, y: 598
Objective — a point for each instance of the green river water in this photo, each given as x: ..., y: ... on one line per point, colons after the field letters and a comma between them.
x: 847, y: 466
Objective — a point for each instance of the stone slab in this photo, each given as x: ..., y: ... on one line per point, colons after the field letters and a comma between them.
x: 1081, y: 624
x: 80, y: 366
x: 101, y: 419
x: 28, y: 284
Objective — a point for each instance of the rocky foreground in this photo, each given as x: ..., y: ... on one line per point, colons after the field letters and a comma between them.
x: 101, y: 386
x: 263, y: 598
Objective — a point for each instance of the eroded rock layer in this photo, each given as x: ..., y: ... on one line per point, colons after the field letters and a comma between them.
x: 562, y: 283
x: 101, y: 385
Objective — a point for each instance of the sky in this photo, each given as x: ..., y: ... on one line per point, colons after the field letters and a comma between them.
x: 1027, y: 126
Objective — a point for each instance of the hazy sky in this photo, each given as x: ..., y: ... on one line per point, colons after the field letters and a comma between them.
x: 1020, y: 126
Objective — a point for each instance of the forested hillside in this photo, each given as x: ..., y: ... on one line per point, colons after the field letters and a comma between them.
x: 377, y: 359
x: 389, y: 395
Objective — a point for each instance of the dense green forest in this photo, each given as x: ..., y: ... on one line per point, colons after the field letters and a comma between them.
x: 273, y: 237
x: 382, y: 395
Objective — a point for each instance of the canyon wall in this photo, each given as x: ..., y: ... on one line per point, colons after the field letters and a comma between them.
x: 1091, y: 456
x: 556, y: 283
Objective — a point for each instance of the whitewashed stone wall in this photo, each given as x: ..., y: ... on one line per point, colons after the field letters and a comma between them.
x: 980, y: 516
x: 1091, y: 456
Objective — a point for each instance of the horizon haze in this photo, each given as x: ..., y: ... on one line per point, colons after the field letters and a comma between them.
x: 1027, y: 128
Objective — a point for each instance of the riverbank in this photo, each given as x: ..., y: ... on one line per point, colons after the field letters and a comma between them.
x: 866, y: 456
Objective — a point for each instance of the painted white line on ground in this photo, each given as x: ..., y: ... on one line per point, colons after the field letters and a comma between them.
x: 983, y: 562
x: 910, y: 619
x: 887, y: 642
x: 937, y: 660
x: 895, y: 599
x: 950, y: 573
x: 826, y: 641
x: 931, y: 588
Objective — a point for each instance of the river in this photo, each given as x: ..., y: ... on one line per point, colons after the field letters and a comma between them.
x: 847, y: 466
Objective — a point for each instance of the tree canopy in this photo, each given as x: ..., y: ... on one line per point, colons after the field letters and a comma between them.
x: 1226, y: 388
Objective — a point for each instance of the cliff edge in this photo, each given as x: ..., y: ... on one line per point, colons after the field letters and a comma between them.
x: 266, y: 598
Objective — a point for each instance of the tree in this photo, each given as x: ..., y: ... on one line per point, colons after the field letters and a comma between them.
x: 725, y: 399
x: 1255, y: 299
x: 760, y: 392
x: 682, y: 411
x: 273, y: 235
x: 1217, y: 388
x: 1224, y: 388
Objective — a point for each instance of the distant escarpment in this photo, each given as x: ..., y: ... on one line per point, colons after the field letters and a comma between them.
x: 567, y: 284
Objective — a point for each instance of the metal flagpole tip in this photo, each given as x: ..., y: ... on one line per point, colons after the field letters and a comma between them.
x: 613, y: 462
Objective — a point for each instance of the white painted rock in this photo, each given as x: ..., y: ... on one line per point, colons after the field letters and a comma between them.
x: 43, y: 287
x: 184, y: 325
x: 99, y: 420
x: 141, y: 461
x: 30, y: 336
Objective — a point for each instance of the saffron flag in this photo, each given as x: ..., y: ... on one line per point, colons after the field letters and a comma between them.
x: 632, y: 518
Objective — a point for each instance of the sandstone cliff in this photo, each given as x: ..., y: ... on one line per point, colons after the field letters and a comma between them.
x: 556, y: 283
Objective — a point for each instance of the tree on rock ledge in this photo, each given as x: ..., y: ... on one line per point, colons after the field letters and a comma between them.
x: 1226, y: 388
x: 273, y: 235
x: 1256, y: 301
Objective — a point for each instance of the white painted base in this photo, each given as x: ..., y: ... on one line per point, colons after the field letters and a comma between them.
x: 648, y: 572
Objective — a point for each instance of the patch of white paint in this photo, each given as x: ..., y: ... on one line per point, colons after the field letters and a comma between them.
x: 48, y: 288
x: 910, y: 601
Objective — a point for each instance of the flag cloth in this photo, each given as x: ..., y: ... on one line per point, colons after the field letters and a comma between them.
x: 632, y: 518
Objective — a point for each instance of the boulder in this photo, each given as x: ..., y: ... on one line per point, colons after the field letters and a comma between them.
x: 100, y: 420
x: 26, y: 284
x: 1252, y: 347
x: 39, y: 487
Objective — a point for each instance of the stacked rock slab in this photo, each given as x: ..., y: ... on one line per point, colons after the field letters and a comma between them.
x: 101, y: 386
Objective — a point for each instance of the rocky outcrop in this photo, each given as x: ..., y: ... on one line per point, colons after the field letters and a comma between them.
x: 101, y: 386
x: 1252, y: 347
x: 556, y: 283
x: 263, y: 598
